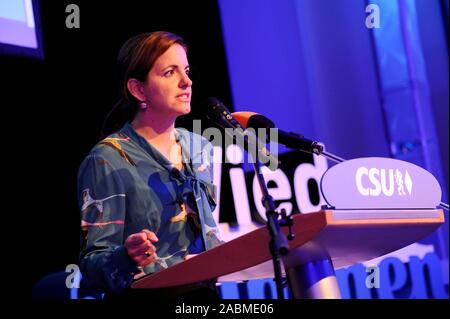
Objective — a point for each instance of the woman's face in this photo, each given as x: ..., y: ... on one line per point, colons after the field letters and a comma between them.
x: 168, y: 88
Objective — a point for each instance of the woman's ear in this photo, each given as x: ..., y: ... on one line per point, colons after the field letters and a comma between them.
x: 136, y: 88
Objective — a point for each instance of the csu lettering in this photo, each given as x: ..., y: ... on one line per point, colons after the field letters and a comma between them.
x: 379, y: 181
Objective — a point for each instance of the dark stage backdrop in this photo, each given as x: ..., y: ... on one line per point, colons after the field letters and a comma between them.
x: 59, y: 104
x: 311, y: 66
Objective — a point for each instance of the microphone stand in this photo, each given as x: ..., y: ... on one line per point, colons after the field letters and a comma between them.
x: 278, y: 244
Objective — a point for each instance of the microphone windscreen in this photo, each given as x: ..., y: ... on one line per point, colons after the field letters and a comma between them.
x: 243, y: 117
x: 253, y: 120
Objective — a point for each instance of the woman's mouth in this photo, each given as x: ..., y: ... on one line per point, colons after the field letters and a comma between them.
x: 185, y: 97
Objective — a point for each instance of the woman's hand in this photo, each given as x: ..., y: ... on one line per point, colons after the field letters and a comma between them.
x: 140, y: 248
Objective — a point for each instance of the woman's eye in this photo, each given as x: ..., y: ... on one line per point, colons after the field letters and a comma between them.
x: 169, y: 73
x: 188, y: 72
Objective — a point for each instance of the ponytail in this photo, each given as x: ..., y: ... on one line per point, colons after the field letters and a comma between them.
x: 122, y: 112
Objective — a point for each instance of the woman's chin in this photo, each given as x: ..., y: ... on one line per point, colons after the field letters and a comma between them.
x: 185, y: 109
x: 181, y: 109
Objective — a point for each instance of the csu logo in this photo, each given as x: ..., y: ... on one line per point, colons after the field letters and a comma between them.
x: 380, y: 183
x: 374, y: 181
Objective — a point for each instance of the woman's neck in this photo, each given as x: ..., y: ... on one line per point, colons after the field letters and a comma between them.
x: 160, y: 133
x: 157, y: 130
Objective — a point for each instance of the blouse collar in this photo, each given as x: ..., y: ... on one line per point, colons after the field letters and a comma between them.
x: 180, y: 138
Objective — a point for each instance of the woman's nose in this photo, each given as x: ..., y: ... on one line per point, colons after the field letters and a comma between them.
x: 185, y: 81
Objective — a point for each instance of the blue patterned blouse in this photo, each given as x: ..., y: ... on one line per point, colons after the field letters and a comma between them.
x: 126, y: 185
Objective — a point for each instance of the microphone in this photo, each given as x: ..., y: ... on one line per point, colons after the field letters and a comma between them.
x: 217, y: 113
x: 289, y: 139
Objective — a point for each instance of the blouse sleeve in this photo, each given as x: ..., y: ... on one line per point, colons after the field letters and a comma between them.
x: 104, y: 261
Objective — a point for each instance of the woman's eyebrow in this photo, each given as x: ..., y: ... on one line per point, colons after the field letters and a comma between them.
x: 175, y: 66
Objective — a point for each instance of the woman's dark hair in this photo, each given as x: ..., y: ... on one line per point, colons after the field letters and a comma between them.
x: 136, y: 58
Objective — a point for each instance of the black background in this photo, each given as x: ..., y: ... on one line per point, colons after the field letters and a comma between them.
x: 55, y: 107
